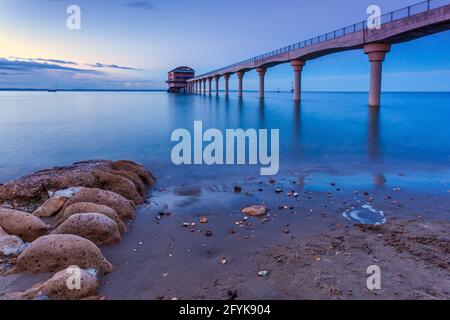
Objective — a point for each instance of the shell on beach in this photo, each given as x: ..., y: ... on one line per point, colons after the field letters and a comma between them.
x: 86, y: 207
x: 72, y: 283
x: 96, y: 227
x: 55, y: 252
x: 22, y: 224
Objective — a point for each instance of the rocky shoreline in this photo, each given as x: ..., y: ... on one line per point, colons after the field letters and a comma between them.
x: 58, y: 219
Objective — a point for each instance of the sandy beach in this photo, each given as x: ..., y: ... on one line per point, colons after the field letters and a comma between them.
x: 304, y: 248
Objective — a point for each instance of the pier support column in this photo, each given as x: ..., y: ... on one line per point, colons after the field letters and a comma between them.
x: 377, y: 53
x: 261, y: 72
x: 217, y: 78
x: 240, y: 75
x: 297, y: 65
x: 204, y: 86
x: 227, y: 84
x: 195, y: 87
x: 209, y: 86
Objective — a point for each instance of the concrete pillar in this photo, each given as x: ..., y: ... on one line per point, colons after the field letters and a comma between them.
x: 297, y: 65
x: 377, y: 53
x: 204, y: 86
x: 217, y: 85
x: 261, y: 73
x: 240, y: 75
x: 209, y: 86
x: 227, y: 83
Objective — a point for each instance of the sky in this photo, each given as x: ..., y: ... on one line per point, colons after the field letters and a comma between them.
x: 127, y: 44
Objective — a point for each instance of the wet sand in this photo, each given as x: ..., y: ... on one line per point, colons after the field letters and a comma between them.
x: 303, y: 249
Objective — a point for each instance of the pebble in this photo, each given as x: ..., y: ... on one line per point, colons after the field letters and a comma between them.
x: 263, y: 273
x: 208, y: 233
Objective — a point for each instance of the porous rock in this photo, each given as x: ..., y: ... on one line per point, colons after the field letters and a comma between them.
x: 137, y: 168
x: 62, y: 286
x: 30, y: 192
x: 54, y: 252
x: 96, y: 227
x: 22, y: 224
x: 86, y: 207
x: 120, y: 185
x: 123, y: 207
x: 10, y: 246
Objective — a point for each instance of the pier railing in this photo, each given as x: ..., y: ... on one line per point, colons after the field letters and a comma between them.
x: 357, y: 27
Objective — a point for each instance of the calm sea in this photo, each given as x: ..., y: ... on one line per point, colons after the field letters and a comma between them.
x: 330, y: 134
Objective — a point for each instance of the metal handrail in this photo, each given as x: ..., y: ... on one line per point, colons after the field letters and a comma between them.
x: 409, y: 11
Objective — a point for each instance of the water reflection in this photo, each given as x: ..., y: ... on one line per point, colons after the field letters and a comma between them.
x: 374, y: 144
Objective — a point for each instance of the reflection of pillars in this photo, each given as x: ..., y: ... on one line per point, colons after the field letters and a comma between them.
x: 209, y: 86
x: 240, y: 75
x: 373, y: 141
x: 217, y: 85
x: 204, y: 86
x: 227, y: 84
x: 297, y: 65
x: 296, y: 132
x: 377, y: 53
x: 261, y: 73
x: 262, y: 113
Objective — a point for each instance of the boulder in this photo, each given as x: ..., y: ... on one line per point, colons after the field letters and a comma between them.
x: 136, y: 168
x: 54, y: 252
x: 86, y: 207
x: 56, y: 202
x: 22, y: 224
x: 120, y: 185
x: 255, y: 211
x: 50, y: 207
x: 96, y: 227
x: 134, y: 178
x: 3, y: 232
x: 62, y: 286
x: 30, y: 192
x: 123, y: 207
x: 10, y: 246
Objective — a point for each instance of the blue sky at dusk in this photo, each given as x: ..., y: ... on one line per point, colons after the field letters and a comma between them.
x: 126, y: 44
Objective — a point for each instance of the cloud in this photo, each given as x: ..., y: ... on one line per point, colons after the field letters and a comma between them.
x: 33, y: 66
x: 46, y: 60
x: 144, y: 5
x: 111, y: 66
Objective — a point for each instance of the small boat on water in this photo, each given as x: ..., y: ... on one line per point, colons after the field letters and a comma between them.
x: 54, y: 90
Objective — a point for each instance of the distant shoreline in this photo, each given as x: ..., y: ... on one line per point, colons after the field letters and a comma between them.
x: 164, y: 90
x: 86, y: 90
